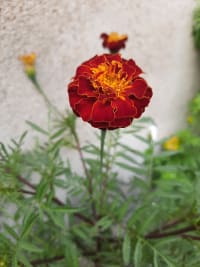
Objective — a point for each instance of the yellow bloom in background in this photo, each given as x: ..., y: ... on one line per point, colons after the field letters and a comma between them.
x: 3, y: 261
x: 28, y: 60
x: 190, y: 119
x: 172, y: 144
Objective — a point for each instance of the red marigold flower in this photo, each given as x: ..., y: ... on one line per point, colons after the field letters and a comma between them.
x: 108, y: 92
x: 114, y: 42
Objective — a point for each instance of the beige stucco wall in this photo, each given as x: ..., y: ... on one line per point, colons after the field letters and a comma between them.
x: 64, y: 33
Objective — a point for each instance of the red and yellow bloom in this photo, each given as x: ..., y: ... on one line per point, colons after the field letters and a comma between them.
x: 108, y: 92
x: 113, y: 41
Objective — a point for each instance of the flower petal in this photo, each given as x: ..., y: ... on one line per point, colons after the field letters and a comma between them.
x: 120, y: 123
x: 138, y: 88
x: 84, y: 108
x: 83, y: 70
x: 100, y: 125
x: 131, y: 68
x: 74, y: 98
x: 102, y: 112
x: 85, y: 87
x: 124, y: 108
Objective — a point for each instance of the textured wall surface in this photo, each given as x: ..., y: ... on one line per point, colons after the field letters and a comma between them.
x: 64, y: 33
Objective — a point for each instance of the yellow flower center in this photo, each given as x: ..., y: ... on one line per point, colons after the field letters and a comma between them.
x: 111, y: 78
x: 115, y: 37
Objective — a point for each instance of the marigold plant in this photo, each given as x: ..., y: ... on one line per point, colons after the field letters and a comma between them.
x: 129, y: 203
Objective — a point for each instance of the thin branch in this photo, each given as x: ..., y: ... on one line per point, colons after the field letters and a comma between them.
x: 87, y: 174
x: 167, y: 226
x: 191, y: 237
x: 171, y: 233
x: 46, y: 261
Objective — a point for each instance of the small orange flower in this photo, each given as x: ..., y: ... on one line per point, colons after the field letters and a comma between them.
x: 113, y: 41
x: 29, y: 64
x: 172, y: 144
x: 28, y: 60
x: 108, y: 92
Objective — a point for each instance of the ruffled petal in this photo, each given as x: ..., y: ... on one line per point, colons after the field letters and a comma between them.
x: 124, y: 108
x: 74, y: 98
x: 120, y: 123
x: 96, y: 60
x: 149, y: 92
x: 84, y: 108
x: 110, y: 57
x: 131, y: 68
x: 85, y: 87
x: 83, y: 70
x: 100, y: 125
x: 138, y: 88
x: 102, y: 112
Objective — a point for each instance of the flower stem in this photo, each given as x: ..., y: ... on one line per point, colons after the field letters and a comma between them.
x: 46, y: 99
x: 103, y: 135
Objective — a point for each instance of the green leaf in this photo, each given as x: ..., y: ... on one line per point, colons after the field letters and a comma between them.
x: 42, y: 190
x: 10, y: 231
x: 139, y: 171
x: 126, y: 249
x: 37, y: 128
x: 30, y: 247
x: 133, y: 151
x: 137, y: 259
x: 155, y: 259
x: 58, y: 133
x: 27, y: 224
x: 128, y: 158
x: 148, y: 221
x: 22, y: 258
x: 67, y: 210
x: 104, y: 223
x: 143, y: 139
x: 71, y: 254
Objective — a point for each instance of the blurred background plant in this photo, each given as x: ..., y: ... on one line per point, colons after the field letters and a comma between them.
x: 146, y: 216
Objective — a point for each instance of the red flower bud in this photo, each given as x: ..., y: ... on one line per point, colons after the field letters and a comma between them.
x: 113, y: 41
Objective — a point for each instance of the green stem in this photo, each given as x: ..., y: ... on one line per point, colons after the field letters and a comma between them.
x: 46, y: 99
x: 103, y: 178
x: 103, y: 135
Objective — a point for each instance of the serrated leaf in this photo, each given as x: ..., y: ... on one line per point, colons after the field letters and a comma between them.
x: 126, y: 249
